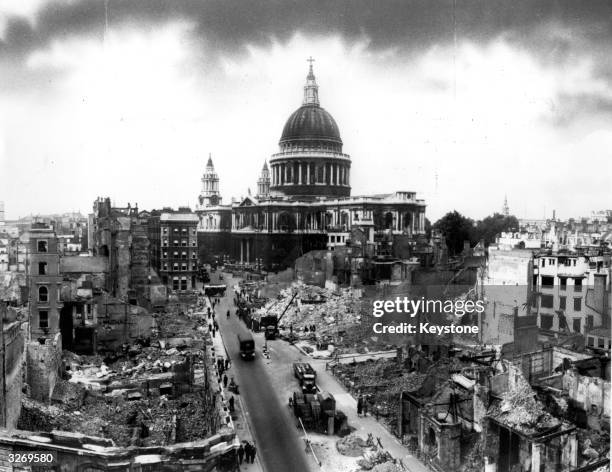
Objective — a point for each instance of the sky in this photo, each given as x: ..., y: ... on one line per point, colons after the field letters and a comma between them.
x: 464, y: 102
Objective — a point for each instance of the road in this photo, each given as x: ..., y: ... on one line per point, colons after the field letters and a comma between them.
x: 278, y: 445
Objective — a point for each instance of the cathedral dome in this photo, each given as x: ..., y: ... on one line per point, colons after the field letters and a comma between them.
x: 310, y: 162
x: 310, y: 122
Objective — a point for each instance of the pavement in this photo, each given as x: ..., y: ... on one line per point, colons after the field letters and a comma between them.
x: 266, y: 419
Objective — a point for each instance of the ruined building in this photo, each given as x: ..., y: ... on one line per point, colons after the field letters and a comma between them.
x: 45, y: 346
x: 121, y: 235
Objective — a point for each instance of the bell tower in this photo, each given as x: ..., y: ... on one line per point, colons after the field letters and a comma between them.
x: 209, y: 195
x: 263, y: 184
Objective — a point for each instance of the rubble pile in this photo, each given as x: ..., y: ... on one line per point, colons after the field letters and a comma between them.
x: 382, y: 381
x: 520, y: 409
x: 351, y: 445
x: 328, y: 311
x: 592, y: 444
x: 388, y: 467
x: 146, y: 395
x: 378, y: 460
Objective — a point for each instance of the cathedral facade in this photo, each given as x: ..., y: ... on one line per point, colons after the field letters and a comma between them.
x: 304, y: 202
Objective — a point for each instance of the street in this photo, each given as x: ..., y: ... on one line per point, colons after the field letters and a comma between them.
x: 277, y: 439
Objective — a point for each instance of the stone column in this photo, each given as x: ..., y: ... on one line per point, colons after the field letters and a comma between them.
x: 248, y: 252
x: 241, y: 251
x: 308, y: 173
x: 324, y: 173
x: 300, y: 173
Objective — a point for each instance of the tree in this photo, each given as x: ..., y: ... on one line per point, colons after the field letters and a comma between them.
x: 427, y: 229
x: 490, y: 227
x: 456, y: 228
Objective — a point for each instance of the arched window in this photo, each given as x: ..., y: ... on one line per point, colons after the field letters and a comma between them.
x: 43, y: 294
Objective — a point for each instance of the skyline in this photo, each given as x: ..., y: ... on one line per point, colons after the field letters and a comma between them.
x: 462, y: 106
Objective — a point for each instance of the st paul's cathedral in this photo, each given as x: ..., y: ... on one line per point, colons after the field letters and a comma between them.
x: 304, y: 202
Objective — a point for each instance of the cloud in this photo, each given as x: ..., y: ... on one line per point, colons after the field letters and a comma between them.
x: 227, y: 25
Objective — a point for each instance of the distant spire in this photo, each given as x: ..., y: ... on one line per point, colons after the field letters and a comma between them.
x: 311, y: 89
x: 265, y: 166
x: 210, y: 162
x: 506, y: 209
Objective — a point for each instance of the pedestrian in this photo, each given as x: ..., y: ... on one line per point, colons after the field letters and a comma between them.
x: 224, y: 381
x: 213, y: 332
x: 210, y: 326
x: 253, y: 452
x: 216, y: 325
x: 227, y: 363
x: 365, y: 406
x: 359, y: 405
x: 247, y: 451
x: 228, y: 314
x: 231, y: 403
x: 240, y: 454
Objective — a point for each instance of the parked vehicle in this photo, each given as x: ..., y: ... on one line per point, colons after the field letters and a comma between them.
x: 215, y: 290
x: 270, y: 323
x: 306, y: 376
x: 247, y: 345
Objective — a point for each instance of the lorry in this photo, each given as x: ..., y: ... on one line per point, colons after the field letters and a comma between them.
x: 306, y: 376
x: 246, y: 345
x: 217, y: 290
x: 269, y: 323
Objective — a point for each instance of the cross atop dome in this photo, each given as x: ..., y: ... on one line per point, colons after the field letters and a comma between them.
x: 310, y: 72
x: 311, y: 89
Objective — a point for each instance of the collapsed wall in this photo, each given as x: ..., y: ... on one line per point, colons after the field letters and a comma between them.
x: 44, y: 363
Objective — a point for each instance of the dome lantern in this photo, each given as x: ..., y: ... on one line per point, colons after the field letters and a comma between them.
x: 311, y: 89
